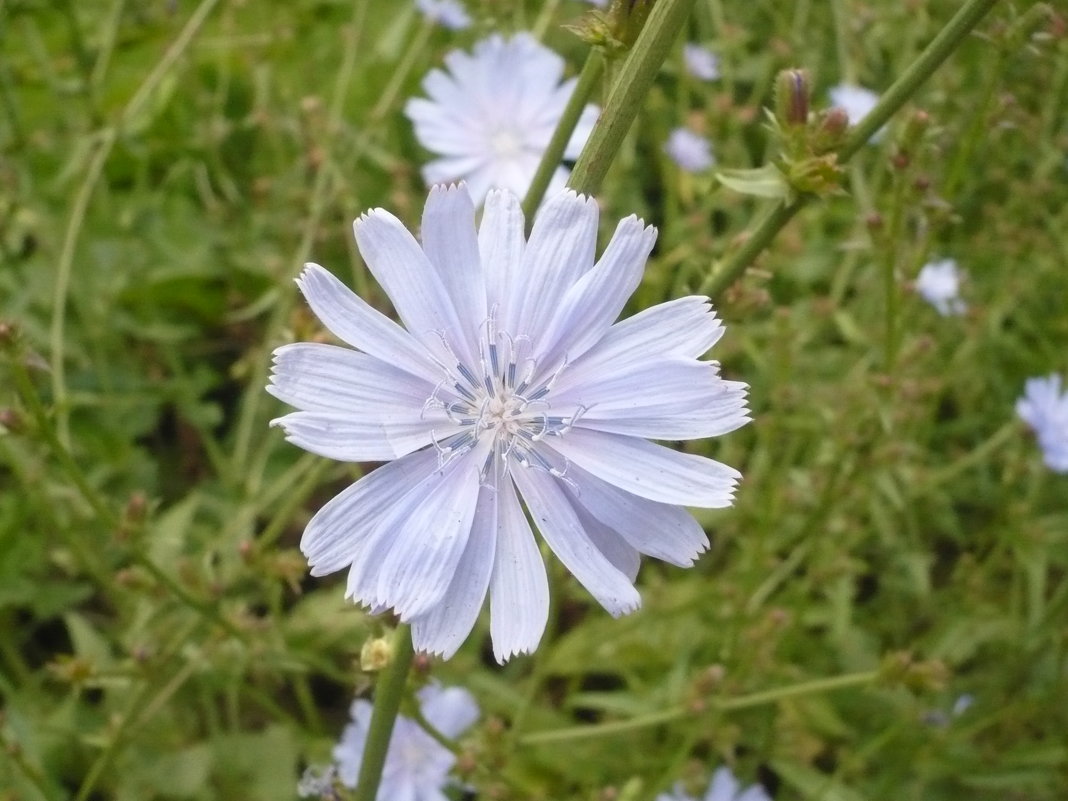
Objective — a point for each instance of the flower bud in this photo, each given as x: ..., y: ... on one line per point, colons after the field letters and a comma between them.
x: 375, y: 654
x: 791, y: 97
x: 830, y: 129
x: 11, y: 421
x: 9, y: 334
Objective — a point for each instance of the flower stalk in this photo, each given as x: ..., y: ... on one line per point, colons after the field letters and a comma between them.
x: 550, y: 160
x: 636, y: 76
x: 388, y: 693
x: 941, y: 47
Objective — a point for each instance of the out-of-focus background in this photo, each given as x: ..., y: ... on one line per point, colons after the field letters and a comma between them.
x: 165, y: 170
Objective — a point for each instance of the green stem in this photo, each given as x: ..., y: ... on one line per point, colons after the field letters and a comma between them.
x: 65, y: 263
x: 652, y: 47
x: 554, y: 152
x: 717, y: 704
x: 388, y: 693
x: 940, y: 48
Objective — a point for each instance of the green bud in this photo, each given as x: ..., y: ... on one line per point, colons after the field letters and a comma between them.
x: 918, y: 122
x: 830, y: 130
x: 791, y: 97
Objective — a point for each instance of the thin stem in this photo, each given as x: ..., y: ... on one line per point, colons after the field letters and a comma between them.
x: 65, y: 264
x: 554, y: 152
x: 388, y: 693
x: 940, y: 48
x: 652, y: 47
x: 254, y: 394
x: 717, y: 704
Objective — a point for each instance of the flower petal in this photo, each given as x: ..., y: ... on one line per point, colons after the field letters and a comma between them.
x: 685, y: 328
x: 368, y: 433
x: 352, y: 320
x: 594, y: 302
x: 665, y: 387
x: 500, y: 243
x: 404, y: 272
x: 649, y: 470
x: 450, y: 710
x: 454, y: 168
x: 332, y: 537
x: 560, y: 250
x: 723, y: 411
x: 451, y: 244
x: 616, y: 550
x: 660, y: 530
x: 519, y: 587
x: 444, y: 628
x: 562, y: 529
x: 317, y: 377
x: 582, y: 131
x: 428, y: 531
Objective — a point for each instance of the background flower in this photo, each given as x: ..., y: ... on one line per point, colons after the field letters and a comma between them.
x: 723, y: 787
x: 417, y: 766
x: 490, y: 115
x: 700, y: 62
x: 689, y: 150
x: 939, y: 284
x: 449, y: 13
x: 510, y: 381
x: 1045, y: 409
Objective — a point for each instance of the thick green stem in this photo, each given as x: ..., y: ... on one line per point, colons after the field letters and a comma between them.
x: 940, y: 48
x: 550, y: 160
x: 388, y: 693
x: 636, y: 76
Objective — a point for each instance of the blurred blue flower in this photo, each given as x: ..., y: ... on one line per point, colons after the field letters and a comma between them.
x: 939, y: 284
x: 700, y: 62
x: 491, y: 113
x: 417, y: 766
x: 723, y: 787
x: 1045, y: 408
x: 448, y: 13
x: 691, y: 151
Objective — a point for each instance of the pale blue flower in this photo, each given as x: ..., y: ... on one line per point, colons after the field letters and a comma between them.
x: 700, y: 62
x: 491, y: 113
x: 508, y: 380
x: 1045, y: 408
x: 417, y: 766
x: 691, y: 151
x: 857, y: 102
x: 447, y: 13
x: 939, y: 284
x: 723, y: 787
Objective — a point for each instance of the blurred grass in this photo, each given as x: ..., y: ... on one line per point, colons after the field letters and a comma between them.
x: 167, y: 168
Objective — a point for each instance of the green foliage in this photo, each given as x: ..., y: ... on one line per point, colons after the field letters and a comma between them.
x: 168, y: 167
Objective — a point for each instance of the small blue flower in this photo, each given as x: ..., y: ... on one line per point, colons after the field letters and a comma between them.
x: 700, y: 62
x: 691, y: 151
x: 417, y: 766
x: 723, y: 787
x: 1045, y: 408
x: 447, y: 13
x: 939, y: 284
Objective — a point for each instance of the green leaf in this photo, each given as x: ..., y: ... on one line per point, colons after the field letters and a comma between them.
x: 767, y: 181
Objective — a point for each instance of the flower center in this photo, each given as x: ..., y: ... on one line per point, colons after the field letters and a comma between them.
x: 506, y: 144
x: 505, y: 400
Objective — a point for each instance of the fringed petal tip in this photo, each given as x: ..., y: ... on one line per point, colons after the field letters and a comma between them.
x: 448, y: 186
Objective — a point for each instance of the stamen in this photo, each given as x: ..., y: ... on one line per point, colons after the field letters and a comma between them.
x: 467, y: 374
